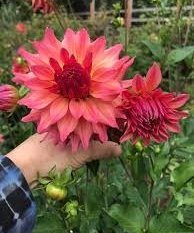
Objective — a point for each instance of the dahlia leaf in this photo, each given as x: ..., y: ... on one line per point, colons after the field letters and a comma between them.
x: 167, y: 223
x: 177, y: 55
x: 131, y: 219
x: 183, y: 173
x: 156, y: 49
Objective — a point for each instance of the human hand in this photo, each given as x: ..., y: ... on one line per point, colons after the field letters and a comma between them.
x: 35, y: 156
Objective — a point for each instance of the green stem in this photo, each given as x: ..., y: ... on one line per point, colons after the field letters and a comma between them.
x: 149, y: 208
x: 57, y: 14
x: 125, y: 168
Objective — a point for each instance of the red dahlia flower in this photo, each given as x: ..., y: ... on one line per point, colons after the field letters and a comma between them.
x: 73, y: 87
x: 45, y: 6
x: 150, y: 112
x: 8, y: 98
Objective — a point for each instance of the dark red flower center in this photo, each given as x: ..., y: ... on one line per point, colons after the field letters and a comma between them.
x: 73, y: 81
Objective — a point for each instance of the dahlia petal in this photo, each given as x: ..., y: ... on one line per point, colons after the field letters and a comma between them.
x: 127, y: 83
x: 38, y: 100
x: 32, y: 116
x: 90, y: 111
x: 66, y: 125
x: 97, y: 47
x: 58, y: 109
x: 106, y: 91
x: 106, y: 113
x: 113, y: 52
x: 55, y: 65
x: 126, y: 136
x: 87, y: 63
x: 76, y: 108
x: 75, y: 141
x: 175, y: 128
x: 49, y: 46
x: 33, y: 59
x: 138, y: 83
x: 179, y: 101
x: 82, y: 43
x: 42, y: 72
x: 104, y: 74
x: 44, y: 121
x: 69, y: 41
x: 101, y: 131
x: 124, y: 67
x: 37, y: 84
x: 22, y: 78
x: 50, y: 39
x: 84, y: 130
x: 64, y: 56
x: 153, y: 77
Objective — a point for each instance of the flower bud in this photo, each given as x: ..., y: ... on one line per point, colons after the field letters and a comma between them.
x: 71, y: 208
x: 8, y: 98
x: 21, y: 28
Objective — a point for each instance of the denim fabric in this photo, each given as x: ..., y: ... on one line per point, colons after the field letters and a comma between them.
x: 17, y: 207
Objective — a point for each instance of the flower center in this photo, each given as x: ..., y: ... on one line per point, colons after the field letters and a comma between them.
x: 73, y: 81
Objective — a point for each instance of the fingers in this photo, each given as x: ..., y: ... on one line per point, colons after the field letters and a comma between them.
x: 106, y: 150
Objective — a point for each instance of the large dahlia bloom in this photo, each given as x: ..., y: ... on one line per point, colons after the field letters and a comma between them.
x: 46, y: 6
x: 73, y: 86
x: 150, y: 112
x: 8, y: 98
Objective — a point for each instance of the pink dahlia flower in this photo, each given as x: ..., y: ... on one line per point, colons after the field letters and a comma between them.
x: 21, y: 28
x: 8, y: 98
x: 73, y: 87
x: 150, y: 112
x: 45, y: 6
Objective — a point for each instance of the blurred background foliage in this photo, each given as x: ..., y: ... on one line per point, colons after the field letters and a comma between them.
x: 151, y: 189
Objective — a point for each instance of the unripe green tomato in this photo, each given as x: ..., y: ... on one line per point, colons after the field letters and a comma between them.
x: 56, y: 192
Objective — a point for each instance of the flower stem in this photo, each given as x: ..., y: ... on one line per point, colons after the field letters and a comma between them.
x: 149, y: 208
x: 57, y: 14
x: 129, y: 176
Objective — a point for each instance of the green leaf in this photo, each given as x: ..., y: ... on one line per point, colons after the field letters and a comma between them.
x: 161, y: 159
x: 156, y: 49
x: 131, y: 219
x: 183, y: 173
x: 167, y: 223
x: 94, y: 201
x: 49, y: 223
x: 180, y: 54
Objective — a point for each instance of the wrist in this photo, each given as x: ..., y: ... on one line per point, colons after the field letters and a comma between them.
x: 29, y: 155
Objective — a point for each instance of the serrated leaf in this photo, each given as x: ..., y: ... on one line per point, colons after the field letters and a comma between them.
x: 167, y: 223
x: 131, y: 219
x: 183, y: 173
x: 49, y: 223
x: 94, y: 201
x: 177, y: 55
